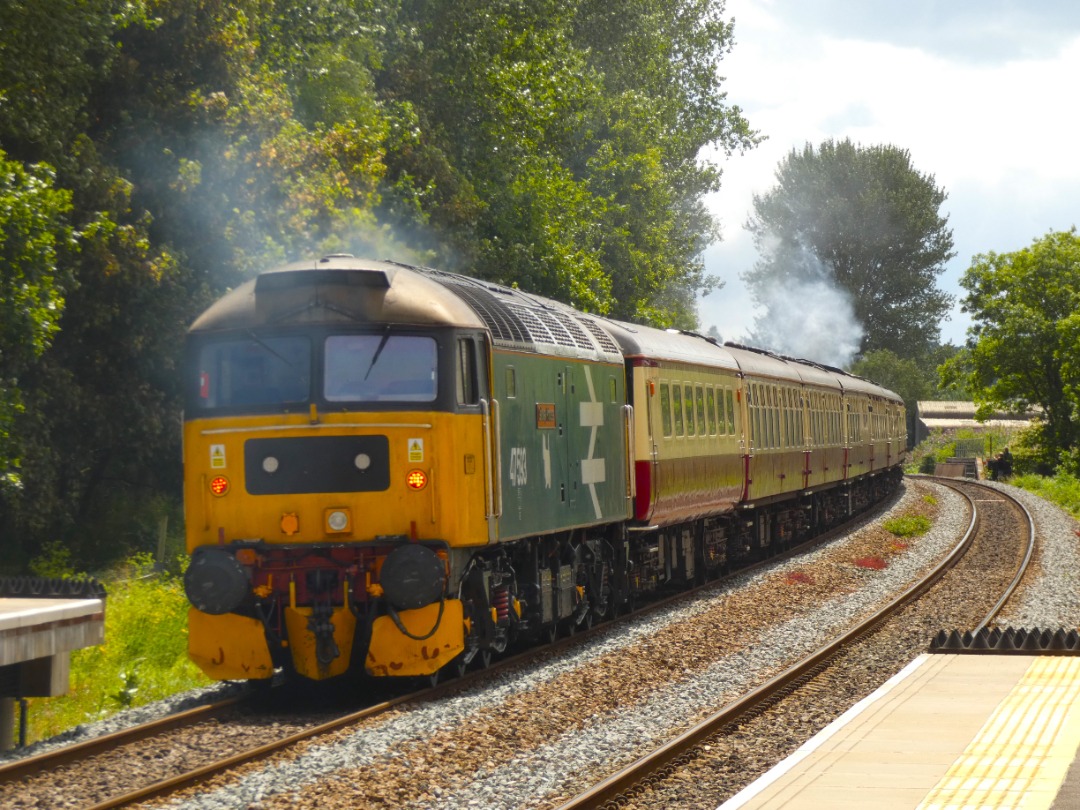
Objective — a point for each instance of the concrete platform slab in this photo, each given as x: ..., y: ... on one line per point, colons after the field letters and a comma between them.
x: 949, y: 731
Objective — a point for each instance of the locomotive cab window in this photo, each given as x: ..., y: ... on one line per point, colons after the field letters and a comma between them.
x: 253, y: 371
x: 466, y: 385
x: 380, y: 368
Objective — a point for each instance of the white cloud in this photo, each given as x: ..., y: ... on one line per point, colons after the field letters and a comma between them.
x: 996, y: 130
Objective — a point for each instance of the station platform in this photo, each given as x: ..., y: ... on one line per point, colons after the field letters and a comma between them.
x: 38, y: 631
x: 948, y: 731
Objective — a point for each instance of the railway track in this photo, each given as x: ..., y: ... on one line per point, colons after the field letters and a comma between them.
x: 90, y: 766
x: 685, y: 772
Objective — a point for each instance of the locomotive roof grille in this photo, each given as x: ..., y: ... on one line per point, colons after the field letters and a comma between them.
x: 503, y: 323
x: 607, y: 343
x: 518, y: 323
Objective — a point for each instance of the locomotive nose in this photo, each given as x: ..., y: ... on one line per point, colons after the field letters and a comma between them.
x: 215, y: 582
x: 412, y: 576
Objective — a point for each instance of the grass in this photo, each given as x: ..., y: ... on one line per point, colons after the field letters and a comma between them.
x: 1062, y: 489
x: 143, y: 659
x: 908, y: 525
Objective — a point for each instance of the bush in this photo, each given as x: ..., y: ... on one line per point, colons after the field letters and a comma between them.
x: 1063, y: 489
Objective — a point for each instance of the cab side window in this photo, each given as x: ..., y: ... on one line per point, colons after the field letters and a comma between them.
x: 467, y: 386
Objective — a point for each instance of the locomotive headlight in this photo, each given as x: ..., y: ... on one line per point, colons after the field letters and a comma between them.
x: 270, y: 464
x: 362, y: 461
x: 337, y: 520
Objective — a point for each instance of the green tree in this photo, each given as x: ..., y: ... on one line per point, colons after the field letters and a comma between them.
x: 34, y: 234
x: 865, y: 221
x: 1024, y: 343
x: 560, y: 144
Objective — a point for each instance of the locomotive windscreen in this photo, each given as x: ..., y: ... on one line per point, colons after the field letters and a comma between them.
x: 254, y: 371
x: 380, y: 368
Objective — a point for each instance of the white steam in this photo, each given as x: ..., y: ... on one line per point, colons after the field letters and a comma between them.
x: 806, y: 314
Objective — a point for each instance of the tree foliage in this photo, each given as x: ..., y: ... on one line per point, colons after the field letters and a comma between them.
x: 862, y: 220
x: 1024, y: 343
x: 33, y: 234
x: 182, y: 145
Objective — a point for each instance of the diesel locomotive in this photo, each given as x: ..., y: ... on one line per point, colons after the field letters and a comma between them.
x: 395, y: 469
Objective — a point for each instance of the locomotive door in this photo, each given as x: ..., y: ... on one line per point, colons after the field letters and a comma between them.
x: 568, y: 434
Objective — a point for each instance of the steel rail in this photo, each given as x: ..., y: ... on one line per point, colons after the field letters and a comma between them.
x: 31, y: 766
x: 1021, y: 570
x: 617, y: 784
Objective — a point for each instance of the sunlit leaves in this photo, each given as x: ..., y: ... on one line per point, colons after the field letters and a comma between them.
x: 33, y: 228
x: 1024, y: 348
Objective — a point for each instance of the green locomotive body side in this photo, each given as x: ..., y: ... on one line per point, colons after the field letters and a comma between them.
x: 563, y: 443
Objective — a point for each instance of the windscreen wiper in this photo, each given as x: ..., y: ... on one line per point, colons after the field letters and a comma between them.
x: 378, y: 351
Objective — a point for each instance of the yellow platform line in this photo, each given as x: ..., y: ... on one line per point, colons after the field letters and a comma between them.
x: 1020, y: 756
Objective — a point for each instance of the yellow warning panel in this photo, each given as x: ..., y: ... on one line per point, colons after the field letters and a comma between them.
x: 1021, y: 755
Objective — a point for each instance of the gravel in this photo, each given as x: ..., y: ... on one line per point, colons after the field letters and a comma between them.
x: 528, y: 737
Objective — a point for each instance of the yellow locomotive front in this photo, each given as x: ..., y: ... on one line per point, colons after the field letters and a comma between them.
x: 337, y: 455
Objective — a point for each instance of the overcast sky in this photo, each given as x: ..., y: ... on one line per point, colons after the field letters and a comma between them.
x: 982, y: 94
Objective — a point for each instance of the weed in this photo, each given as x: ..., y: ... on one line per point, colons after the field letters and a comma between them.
x: 908, y: 525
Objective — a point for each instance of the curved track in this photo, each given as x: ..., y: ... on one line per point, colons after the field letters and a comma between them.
x: 622, y: 787
x: 56, y: 764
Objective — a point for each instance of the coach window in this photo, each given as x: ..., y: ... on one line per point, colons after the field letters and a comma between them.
x: 665, y: 408
x: 468, y: 392
x: 729, y: 399
x: 756, y: 409
x: 676, y: 391
x: 699, y: 400
x: 688, y: 404
x: 774, y: 417
x: 710, y: 409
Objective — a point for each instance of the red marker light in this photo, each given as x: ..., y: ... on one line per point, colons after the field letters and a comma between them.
x: 219, y: 485
x: 416, y: 479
